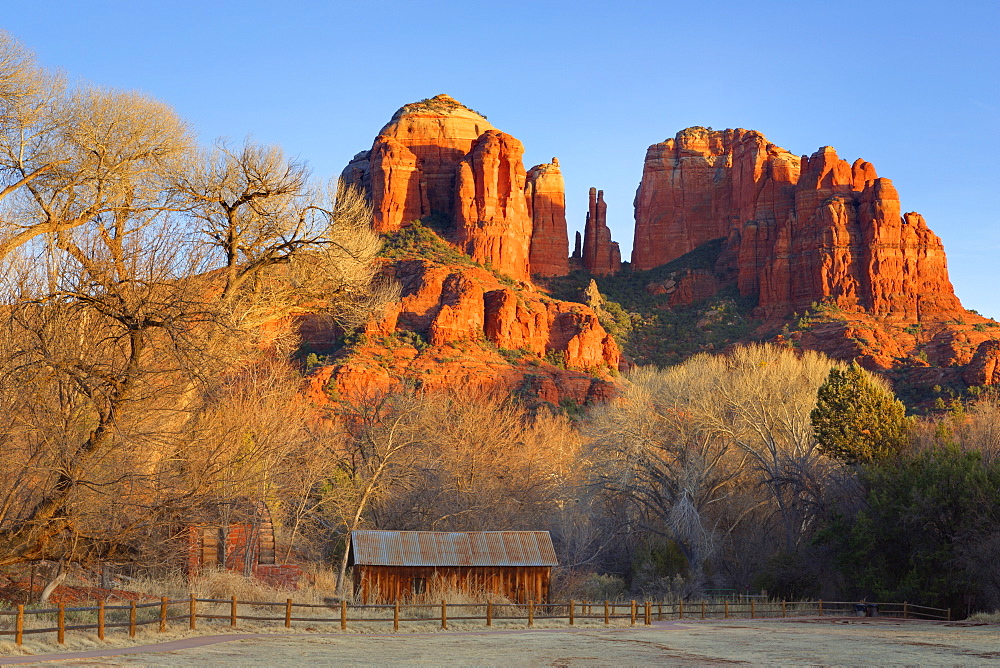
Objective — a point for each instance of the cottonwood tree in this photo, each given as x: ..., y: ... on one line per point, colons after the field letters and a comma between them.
x: 70, y: 155
x: 280, y: 240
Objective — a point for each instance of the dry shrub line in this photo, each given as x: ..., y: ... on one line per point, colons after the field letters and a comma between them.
x: 571, y: 611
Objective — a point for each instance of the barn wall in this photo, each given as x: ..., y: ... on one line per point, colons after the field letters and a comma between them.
x: 387, y: 584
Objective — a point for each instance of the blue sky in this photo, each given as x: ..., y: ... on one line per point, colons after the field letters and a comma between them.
x: 912, y: 87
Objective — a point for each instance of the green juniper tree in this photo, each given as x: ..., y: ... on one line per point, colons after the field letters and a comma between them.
x: 857, y: 418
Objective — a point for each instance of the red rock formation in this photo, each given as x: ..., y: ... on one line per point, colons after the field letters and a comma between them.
x: 546, y: 197
x: 984, y: 369
x: 455, y: 310
x: 420, y: 181
x: 798, y: 231
x: 491, y: 214
x: 601, y: 255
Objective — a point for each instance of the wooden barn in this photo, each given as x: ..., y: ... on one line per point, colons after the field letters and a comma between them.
x: 391, y: 566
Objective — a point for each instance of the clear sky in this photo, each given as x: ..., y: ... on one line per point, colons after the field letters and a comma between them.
x: 911, y: 86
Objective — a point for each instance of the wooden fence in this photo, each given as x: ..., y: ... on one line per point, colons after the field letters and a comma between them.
x: 102, y: 617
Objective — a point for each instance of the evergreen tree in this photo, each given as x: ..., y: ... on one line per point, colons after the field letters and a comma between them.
x: 857, y: 418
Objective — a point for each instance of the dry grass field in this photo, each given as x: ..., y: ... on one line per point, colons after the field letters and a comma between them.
x: 816, y: 641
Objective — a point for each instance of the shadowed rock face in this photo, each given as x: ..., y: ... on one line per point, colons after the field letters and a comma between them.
x: 798, y: 230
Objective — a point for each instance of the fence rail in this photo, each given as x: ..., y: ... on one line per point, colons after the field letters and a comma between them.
x: 127, y: 616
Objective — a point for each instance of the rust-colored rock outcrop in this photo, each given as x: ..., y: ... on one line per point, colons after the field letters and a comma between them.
x: 492, y: 224
x: 411, y: 168
x: 458, y: 326
x: 601, y: 255
x: 798, y: 230
x: 545, y: 193
x: 439, y: 161
x: 984, y: 368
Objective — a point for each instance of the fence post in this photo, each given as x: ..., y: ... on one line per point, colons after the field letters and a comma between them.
x: 680, y: 611
x: 531, y: 612
x: 753, y: 611
x: 61, y: 631
x: 703, y: 609
x: 906, y: 610
x: 949, y: 614
x: 343, y: 615
x: 395, y: 616
x: 19, y: 630
x: 444, y: 614
x: 288, y: 613
x: 193, y: 614
x: 649, y: 613
x: 607, y: 617
x: 489, y: 613
x: 100, y: 620
x: 784, y: 613
x: 131, y: 619
x: 163, y: 614
x: 659, y: 611
x: 232, y: 613
x: 633, y: 612
x: 571, y: 605
x: 821, y: 607
x: 726, y: 609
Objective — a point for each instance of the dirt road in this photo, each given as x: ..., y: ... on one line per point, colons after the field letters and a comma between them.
x: 819, y: 641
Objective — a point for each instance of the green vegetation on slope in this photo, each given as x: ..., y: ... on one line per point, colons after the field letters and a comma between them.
x: 648, y: 329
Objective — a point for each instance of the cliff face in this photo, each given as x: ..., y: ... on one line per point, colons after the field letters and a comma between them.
x: 546, y: 198
x: 491, y: 214
x: 437, y: 159
x: 798, y: 230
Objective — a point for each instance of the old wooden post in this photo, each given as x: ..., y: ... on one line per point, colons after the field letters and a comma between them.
x: 444, y: 614
x: 531, y: 612
x: 680, y: 610
x: 19, y: 629
x: 193, y: 613
x: 131, y: 619
x: 633, y: 612
x: 703, y: 609
x: 163, y: 614
x: 571, y: 612
x: 607, y: 617
x: 61, y: 631
x: 395, y: 616
x: 906, y: 610
x: 821, y: 607
x: 753, y: 613
x: 100, y: 620
x: 949, y: 614
x: 784, y: 612
x: 288, y: 613
x: 659, y: 611
x: 343, y: 615
x: 649, y: 613
x: 232, y: 612
x: 489, y: 613
x: 726, y: 609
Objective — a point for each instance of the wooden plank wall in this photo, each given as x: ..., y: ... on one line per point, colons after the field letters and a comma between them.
x: 387, y: 584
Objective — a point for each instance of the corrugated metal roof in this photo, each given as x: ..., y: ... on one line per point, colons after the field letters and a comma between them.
x: 440, y: 548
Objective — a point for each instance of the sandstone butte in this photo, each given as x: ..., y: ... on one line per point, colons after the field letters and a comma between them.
x: 802, y: 230
x: 473, y: 321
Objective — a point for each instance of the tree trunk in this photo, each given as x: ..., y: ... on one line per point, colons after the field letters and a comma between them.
x: 56, y: 581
